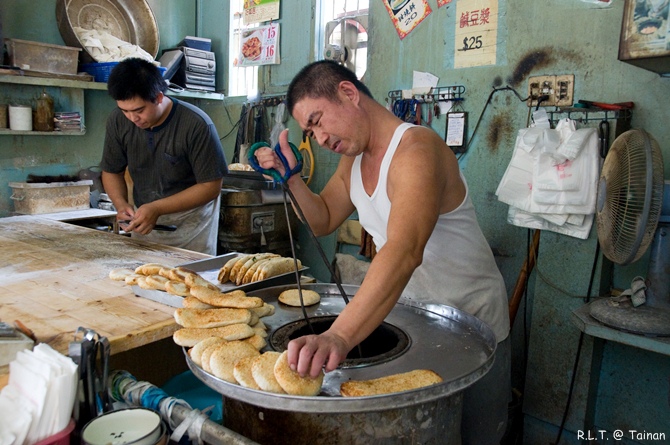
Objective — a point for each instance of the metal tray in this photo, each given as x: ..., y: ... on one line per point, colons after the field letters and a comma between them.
x: 453, y: 343
x: 209, y: 270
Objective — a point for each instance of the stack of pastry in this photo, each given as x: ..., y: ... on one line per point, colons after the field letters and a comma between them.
x: 245, y: 269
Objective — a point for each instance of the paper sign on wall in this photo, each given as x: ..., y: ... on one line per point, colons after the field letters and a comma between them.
x: 407, y: 14
x: 441, y: 3
x: 259, y: 46
x: 256, y: 11
x: 476, y: 33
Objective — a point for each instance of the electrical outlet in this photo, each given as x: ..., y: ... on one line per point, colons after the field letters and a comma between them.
x: 559, y: 90
x: 565, y: 90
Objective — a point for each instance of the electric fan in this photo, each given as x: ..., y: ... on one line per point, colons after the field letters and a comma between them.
x: 347, y: 43
x: 631, y: 216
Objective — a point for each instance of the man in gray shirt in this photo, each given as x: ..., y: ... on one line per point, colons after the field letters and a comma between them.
x: 173, y: 155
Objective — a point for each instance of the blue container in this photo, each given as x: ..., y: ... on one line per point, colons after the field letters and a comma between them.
x: 101, y: 71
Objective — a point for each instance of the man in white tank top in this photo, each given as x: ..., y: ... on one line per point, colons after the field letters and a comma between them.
x: 406, y: 185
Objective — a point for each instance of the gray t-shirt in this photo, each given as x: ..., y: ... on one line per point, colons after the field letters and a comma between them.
x: 182, y: 151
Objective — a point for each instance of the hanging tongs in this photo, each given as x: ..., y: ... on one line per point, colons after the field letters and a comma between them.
x: 282, y: 180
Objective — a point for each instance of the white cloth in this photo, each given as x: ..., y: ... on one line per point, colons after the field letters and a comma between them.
x: 458, y: 267
x: 104, y: 47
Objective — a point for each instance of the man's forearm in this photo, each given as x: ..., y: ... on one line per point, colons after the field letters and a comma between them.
x: 194, y: 196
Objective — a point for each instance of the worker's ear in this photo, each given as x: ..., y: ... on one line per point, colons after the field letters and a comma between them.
x: 349, y: 90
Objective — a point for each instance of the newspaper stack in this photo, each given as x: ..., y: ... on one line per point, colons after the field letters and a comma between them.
x: 67, y: 121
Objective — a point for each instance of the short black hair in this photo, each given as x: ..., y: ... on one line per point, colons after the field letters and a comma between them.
x: 136, y: 77
x: 321, y: 79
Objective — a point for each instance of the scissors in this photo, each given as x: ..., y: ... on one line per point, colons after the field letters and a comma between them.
x: 276, y: 176
x: 305, y: 148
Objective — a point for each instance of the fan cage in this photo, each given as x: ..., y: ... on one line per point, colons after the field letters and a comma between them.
x: 632, y: 175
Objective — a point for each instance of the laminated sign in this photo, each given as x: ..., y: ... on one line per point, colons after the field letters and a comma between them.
x: 407, y: 14
x: 259, y: 46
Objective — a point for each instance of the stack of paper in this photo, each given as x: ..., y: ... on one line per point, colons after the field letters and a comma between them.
x: 38, y: 401
x: 67, y: 121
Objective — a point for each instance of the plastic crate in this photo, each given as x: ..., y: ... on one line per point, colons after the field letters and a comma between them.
x: 101, y: 71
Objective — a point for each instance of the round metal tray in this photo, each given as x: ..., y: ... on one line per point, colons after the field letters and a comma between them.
x: 132, y: 21
x: 454, y: 344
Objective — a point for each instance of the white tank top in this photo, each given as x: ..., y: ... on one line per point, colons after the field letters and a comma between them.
x: 458, y: 267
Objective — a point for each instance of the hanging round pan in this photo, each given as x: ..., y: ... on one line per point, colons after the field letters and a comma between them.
x: 132, y: 21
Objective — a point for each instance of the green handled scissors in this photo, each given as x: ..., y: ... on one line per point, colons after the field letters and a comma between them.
x: 274, y: 173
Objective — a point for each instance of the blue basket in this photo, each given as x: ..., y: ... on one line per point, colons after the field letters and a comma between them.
x: 101, y: 71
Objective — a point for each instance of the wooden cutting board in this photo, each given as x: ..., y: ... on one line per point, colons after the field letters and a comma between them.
x: 54, y: 279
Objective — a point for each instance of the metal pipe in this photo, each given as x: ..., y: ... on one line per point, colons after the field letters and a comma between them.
x: 212, y: 433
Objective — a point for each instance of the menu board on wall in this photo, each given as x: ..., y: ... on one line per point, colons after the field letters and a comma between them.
x: 259, y: 46
x: 476, y: 33
x: 407, y: 14
x: 256, y: 11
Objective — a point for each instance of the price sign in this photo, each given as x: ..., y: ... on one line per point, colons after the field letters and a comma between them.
x: 476, y: 33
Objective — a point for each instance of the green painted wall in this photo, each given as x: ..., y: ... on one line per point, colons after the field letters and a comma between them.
x: 535, y: 37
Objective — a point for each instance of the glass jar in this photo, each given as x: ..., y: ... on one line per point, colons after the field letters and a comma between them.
x: 44, y: 113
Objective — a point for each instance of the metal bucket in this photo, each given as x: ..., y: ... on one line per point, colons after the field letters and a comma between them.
x: 456, y: 345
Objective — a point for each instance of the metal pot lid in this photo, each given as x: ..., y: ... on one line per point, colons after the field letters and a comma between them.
x: 454, y: 344
x: 132, y: 21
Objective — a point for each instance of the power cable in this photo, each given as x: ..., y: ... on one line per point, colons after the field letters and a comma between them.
x: 481, y: 115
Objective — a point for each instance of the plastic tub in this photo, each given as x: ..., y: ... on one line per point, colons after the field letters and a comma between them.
x: 42, y: 197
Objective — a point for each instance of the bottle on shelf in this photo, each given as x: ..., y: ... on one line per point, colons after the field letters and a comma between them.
x: 44, y: 113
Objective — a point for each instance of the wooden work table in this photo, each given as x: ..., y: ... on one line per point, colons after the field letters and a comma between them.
x: 54, y: 279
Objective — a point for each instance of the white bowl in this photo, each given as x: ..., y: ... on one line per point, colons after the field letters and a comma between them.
x: 136, y: 426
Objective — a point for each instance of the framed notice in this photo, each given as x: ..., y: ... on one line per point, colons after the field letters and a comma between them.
x: 407, y: 14
x: 259, y: 46
x: 476, y: 33
x: 457, y: 124
x: 256, y: 11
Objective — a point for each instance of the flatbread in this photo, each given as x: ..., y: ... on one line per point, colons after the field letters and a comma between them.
x: 249, y: 275
x: 177, y: 288
x: 196, y: 351
x: 276, y: 266
x: 263, y: 311
x: 263, y: 371
x: 191, y: 336
x: 291, y: 297
x: 120, y: 274
x: 207, y: 356
x: 156, y: 282
x: 240, y: 261
x: 292, y: 383
x: 193, y: 279
x: 165, y: 272
x: 224, y: 273
x: 142, y: 282
x: 192, y: 302
x: 390, y: 384
x: 257, y: 341
x: 236, y: 298
x: 242, y: 372
x: 250, y: 262
x: 131, y: 280
x: 226, y: 355
x: 150, y: 268
x: 210, y: 318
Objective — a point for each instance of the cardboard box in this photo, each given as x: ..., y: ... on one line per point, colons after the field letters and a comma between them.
x: 42, y: 197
